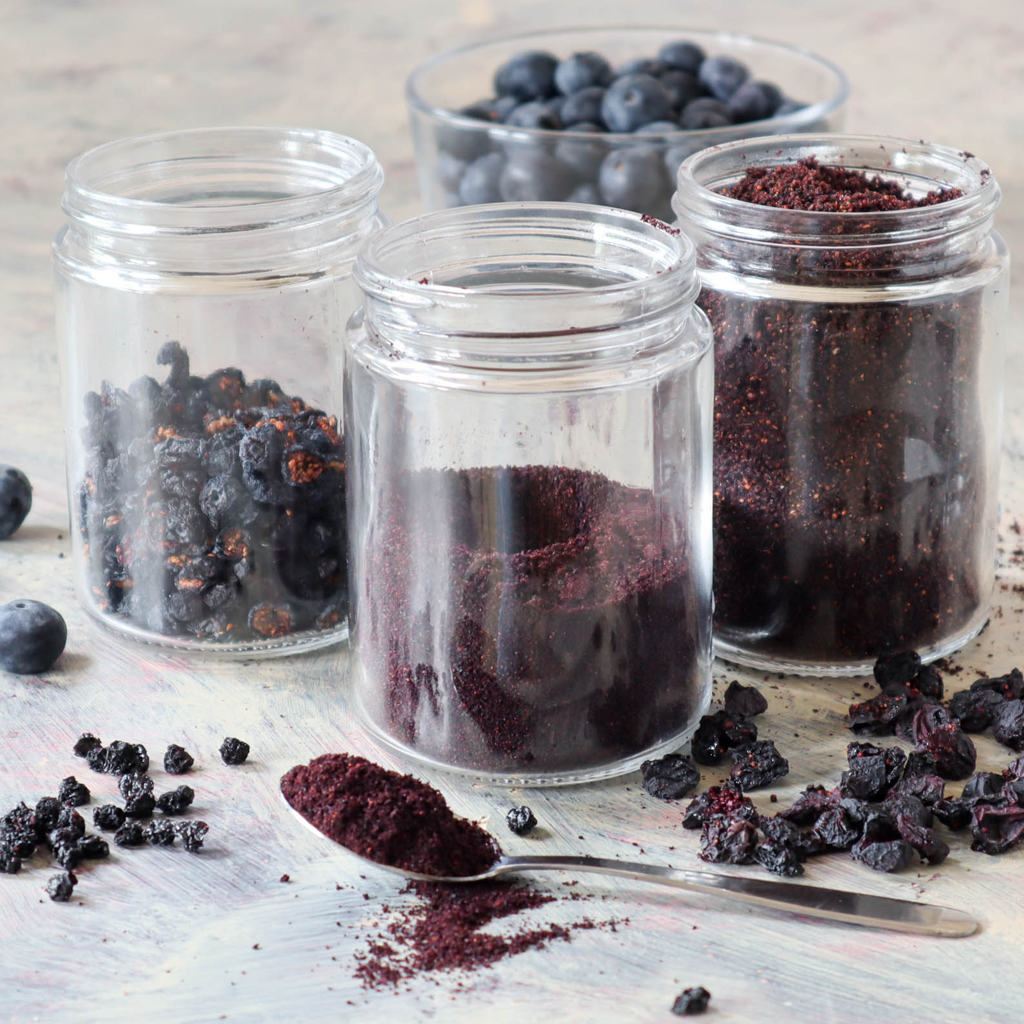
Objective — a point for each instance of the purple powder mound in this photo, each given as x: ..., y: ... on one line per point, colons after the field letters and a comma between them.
x: 389, y: 818
x: 529, y: 619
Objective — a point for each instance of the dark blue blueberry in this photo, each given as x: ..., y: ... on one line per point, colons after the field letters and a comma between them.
x: 177, y: 760
x: 754, y: 101
x: 583, y: 107
x: 464, y: 143
x: 657, y: 128
x: 634, y: 179
x: 722, y: 76
x: 531, y: 175
x: 32, y: 636
x: 527, y: 76
x: 450, y: 169
x: 585, y: 193
x: 675, y: 155
x: 634, y: 101
x: 681, y: 87
x: 641, y: 66
x: 480, y: 182
x: 534, y: 114
x: 15, y: 499
x: 582, y: 71
x: 583, y: 154
x: 234, y: 751
x: 682, y: 56
x: 705, y: 113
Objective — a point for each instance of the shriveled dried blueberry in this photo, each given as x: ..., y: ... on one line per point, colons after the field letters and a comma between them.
x: 1008, y: 724
x: 177, y: 801
x: 996, y: 829
x: 131, y: 833
x: 141, y: 758
x: 892, y: 757
x: 866, y: 780
x: 726, y: 800
x: 109, y: 817
x: 233, y: 751
x: 928, y: 681
x: 909, y: 806
x: 1009, y: 687
x: 60, y: 887
x: 73, y: 792
x: 727, y: 841
x: 32, y: 636
x: 941, y: 736
x: 930, y: 847
x: 177, y: 760
x: 878, y: 716
x: 96, y: 758
x: 137, y: 790
x: 48, y: 810
x: 70, y: 819
x: 85, y: 743
x: 757, y: 764
x: 120, y: 758
x: 93, y: 847
x: 812, y: 803
x: 670, y: 777
x: 159, y: 833
x: 708, y: 743
x: 897, y: 668
x: 927, y: 788
x: 747, y: 701
x: 835, y: 829
x: 919, y: 762
x: 691, y: 1001
x: 954, y: 814
x: 10, y: 862
x: 64, y: 848
x: 18, y: 830
x: 974, y: 708
x: 192, y: 834
x: 881, y: 847
x: 779, y: 859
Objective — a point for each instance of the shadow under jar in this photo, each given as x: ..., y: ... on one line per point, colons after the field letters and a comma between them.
x: 858, y: 405
x: 203, y: 283
x: 528, y: 402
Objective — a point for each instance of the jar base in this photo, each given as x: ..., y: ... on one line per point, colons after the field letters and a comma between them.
x: 737, y: 655
x: 277, y: 647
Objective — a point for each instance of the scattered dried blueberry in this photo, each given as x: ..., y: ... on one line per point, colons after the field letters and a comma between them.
x: 96, y: 758
x: 18, y: 830
x: 85, y: 743
x: 746, y: 701
x: 881, y: 846
x: 60, y: 887
x: 15, y: 499
x: 757, y: 764
x: 64, y: 848
x: 708, y: 743
x: 73, y: 792
x: 120, y: 758
x: 691, y: 1001
x: 897, y: 669
x: 1008, y: 724
x: 996, y: 829
x: 974, y: 708
x: 131, y: 833
x: 159, y: 833
x: 93, y: 847
x: 177, y: 801
x: 725, y: 840
x: 177, y: 760
x: 521, y: 820
x: 32, y: 636
x: 137, y: 790
x: 192, y: 834
x: 48, y: 810
x: 10, y: 862
x: 233, y: 751
x: 109, y: 817
x: 1009, y: 687
x: 670, y: 777
x: 779, y: 859
x: 719, y: 801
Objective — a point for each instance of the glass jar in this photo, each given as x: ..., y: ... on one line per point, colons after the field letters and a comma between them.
x: 203, y: 283
x: 858, y: 405
x: 528, y: 401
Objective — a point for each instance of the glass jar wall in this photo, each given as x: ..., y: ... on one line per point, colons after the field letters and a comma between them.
x: 203, y: 282
x: 858, y: 405
x: 528, y: 402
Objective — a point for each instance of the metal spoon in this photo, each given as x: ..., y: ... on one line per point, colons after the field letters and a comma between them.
x: 832, y: 904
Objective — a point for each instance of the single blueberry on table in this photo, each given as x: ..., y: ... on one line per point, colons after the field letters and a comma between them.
x: 634, y: 100
x: 583, y: 107
x: 681, y: 87
x: 15, y: 499
x: 480, y: 182
x: 527, y: 76
x: 32, y: 636
x: 582, y: 71
x: 634, y: 179
x: 705, y: 113
x: 722, y: 76
x: 754, y: 101
x: 682, y: 56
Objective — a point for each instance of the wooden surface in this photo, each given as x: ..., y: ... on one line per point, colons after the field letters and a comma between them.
x: 162, y: 936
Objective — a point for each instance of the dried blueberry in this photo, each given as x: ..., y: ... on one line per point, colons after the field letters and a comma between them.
x: 109, y: 817
x: 73, y: 792
x: 1010, y: 686
x: 60, y: 887
x: 159, y: 833
x: 137, y: 790
x: 881, y: 847
x: 177, y: 760
x: 47, y: 814
x: 1008, y: 724
x: 996, y: 829
x: 708, y: 744
x: 85, y: 743
x: 670, y: 777
x: 954, y: 814
x: 757, y: 764
x: 10, y: 862
x: 93, y: 847
x: 177, y: 801
x: 233, y: 751
x: 878, y: 716
x: 70, y: 820
x: 928, y: 682
x: 15, y: 499
x: 32, y: 636
x: 131, y: 833
x: 521, y: 820
x: 192, y: 834
x: 96, y: 758
x: 813, y: 802
x: 725, y: 840
x: 120, y: 758
x: 18, y: 830
x: 779, y: 859
x: 64, y: 848
x: 691, y: 1001
x: 897, y: 668
x: 974, y: 708
x: 726, y: 800
x: 745, y: 701
x: 927, y: 788
x: 836, y: 829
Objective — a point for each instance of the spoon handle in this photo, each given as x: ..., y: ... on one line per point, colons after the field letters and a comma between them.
x: 834, y: 904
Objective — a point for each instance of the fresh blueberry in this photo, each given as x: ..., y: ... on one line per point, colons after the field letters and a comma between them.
x: 582, y: 71
x: 641, y: 66
x: 531, y: 175
x: 634, y: 101
x: 583, y: 154
x: 585, y: 193
x: 675, y: 155
x: 682, y: 56
x: 657, y: 128
x: 754, y: 101
x: 15, y: 499
x: 32, y: 636
x: 705, y: 113
x: 480, y: 182
x: 722, y: 76
x: 527, y: 76
x: 634, y: 179
x: 534, y: 114
x: 583, y: 106
x: 450, y: 169
x: 681, y: 87
x: 462, y: 143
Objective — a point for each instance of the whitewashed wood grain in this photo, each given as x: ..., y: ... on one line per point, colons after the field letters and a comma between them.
x: 163, y: 936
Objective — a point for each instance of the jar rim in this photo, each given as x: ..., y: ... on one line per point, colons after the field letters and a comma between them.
x: 701, y: 177
x: 118, y: 185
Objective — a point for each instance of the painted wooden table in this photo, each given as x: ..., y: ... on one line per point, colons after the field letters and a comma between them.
x: 163, y: 936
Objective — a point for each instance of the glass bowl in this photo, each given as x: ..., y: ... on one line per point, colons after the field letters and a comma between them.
x: 537, y: 164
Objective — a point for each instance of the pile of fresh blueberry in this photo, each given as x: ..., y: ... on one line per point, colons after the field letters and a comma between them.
x: 583, y: 97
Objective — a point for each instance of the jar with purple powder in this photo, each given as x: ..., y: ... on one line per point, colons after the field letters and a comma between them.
x: 857, y: 293
x: 528, y: 396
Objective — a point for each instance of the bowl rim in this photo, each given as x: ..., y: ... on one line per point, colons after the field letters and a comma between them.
x: 727, y: 133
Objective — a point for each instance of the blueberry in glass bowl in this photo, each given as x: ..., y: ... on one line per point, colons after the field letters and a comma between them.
x: 604, y: 115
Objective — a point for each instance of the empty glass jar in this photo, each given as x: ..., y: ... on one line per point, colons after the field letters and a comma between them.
x: 203, y: 282
x: 858, y: 405
x: 528, y: 402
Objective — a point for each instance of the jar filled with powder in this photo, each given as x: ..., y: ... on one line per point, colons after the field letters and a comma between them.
x: 528, y: 401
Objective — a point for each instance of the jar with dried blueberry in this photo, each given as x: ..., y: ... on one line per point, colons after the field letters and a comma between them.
x: 857, y: 292
x: 203, y: 282
x: 528, y: 408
